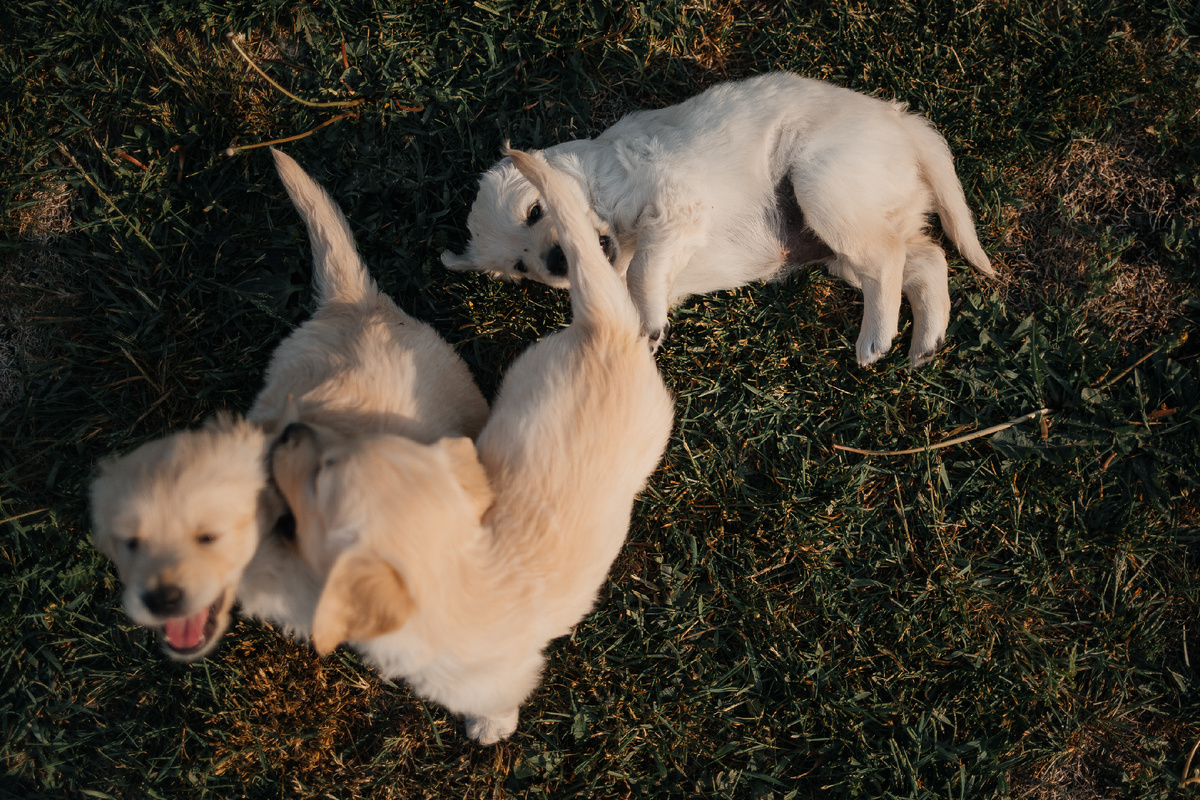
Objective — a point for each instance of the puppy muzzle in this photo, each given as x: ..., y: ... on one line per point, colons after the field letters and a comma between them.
x: 556, y: 262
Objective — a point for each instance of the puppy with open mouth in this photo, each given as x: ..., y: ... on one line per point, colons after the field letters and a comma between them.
x: 452, y: 566
x: 744, y: 183
x: 192, y: 522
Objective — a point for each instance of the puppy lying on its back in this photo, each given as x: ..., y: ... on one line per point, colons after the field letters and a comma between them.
x: 737, y: 185
x: 188, y: 519
x: 455, y: 585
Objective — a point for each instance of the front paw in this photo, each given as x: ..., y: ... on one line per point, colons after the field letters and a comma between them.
x: 489, y: 730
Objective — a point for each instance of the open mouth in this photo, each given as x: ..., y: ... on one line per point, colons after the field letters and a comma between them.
x: 188, y: 635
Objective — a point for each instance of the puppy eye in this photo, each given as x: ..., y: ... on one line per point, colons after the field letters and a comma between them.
x: 132, y: 544
x: 535, y: 214
x: 206, y: 538
x: 520, y: 267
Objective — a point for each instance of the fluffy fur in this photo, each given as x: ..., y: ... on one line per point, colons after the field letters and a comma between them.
x: 454, y: 572
x: 191, y: 520
x: 741, y: 183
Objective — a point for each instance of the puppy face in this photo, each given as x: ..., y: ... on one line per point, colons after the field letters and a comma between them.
x: 512, y: 234
x: 180, y: 518
x: 379, y: 518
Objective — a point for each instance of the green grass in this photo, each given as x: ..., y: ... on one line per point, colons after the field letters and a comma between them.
x: 1011, y: 617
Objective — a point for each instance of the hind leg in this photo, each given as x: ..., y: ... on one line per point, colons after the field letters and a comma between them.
x: 880, y: 278
x: 492, y: 728
x: 927, y: 290
x: 881, y: 286
x: 851, y: 205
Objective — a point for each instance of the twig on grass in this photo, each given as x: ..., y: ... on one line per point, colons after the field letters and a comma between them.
x: 25, y: 514
x: 1165, y: 346
x: 1187, y: 767
x: 949, y: 442
x: 232, y: 150
x: 232, y: 39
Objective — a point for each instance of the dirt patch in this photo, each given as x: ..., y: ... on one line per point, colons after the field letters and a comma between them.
x: 1090, y: 765
x: 27, y: 278
x: 1099, y: 224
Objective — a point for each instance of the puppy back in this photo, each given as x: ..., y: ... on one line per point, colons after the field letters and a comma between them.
x: 599, y: 299
x: 339, y: 273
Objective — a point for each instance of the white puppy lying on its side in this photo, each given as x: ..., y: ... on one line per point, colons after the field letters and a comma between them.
x: 191, y: 520
x: 739, y: 184
x: 456, y: 586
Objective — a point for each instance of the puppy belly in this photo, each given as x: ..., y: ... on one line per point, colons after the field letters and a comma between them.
x: 801, y: 247
x: 766, y: 244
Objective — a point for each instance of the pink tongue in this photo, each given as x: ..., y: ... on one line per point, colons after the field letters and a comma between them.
x: 184, y: 633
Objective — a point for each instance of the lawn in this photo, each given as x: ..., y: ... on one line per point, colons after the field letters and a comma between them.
x: 1011, y: 616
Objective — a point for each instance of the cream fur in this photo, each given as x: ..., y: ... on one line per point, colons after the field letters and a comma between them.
x: 688, y: 193
x: 459, y: 601
x: 359, y: 365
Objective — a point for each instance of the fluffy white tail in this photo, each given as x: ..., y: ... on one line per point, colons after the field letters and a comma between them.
x: 599, y: 298
x: 338, y: 272
x: 938, y: 166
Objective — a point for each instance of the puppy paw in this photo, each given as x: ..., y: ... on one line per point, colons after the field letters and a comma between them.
x: 489, y: 730
x: 919, y: 356
x: 870, y: 349
x: 658, y: 336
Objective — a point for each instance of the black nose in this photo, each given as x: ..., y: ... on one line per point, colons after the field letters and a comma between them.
x: 556, y: 262
x: 163, y: 601
x: 285, y: 527
x: 295, y: 430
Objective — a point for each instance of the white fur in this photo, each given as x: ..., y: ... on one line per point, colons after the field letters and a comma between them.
x: 359, y: 365
x: 458, y: 600
x: 688, y: 194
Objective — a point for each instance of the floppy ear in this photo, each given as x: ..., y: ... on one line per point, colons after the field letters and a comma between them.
x: 364, y: 597
x: 464, y: 463
x: 463, y: 263
x: 291, y: 412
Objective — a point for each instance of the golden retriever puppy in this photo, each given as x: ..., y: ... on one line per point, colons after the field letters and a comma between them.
x: 453, y: 566
x: 744, y: 183
x: 192, y: 522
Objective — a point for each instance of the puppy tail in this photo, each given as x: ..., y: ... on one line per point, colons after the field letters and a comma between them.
x: 599, y: 298
x: 338, y: 272
x: 937, y: 164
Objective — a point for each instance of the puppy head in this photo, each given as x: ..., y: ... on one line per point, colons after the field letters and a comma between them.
x: 379, y: 517
x: 513, y: 234
x: 181, y: 518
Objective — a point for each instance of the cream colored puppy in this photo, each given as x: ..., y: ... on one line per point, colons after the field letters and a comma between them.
x: 742, y: 183
x: 189, y: 519
x: 454, y: 573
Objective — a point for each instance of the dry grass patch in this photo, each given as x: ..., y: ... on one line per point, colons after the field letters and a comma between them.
x: 1094, y: 226
x: 26, y: 278
x: 1093, y: 761
x: 327, y: 727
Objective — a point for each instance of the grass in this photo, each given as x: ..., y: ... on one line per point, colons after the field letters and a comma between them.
x: 1011, y: 617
